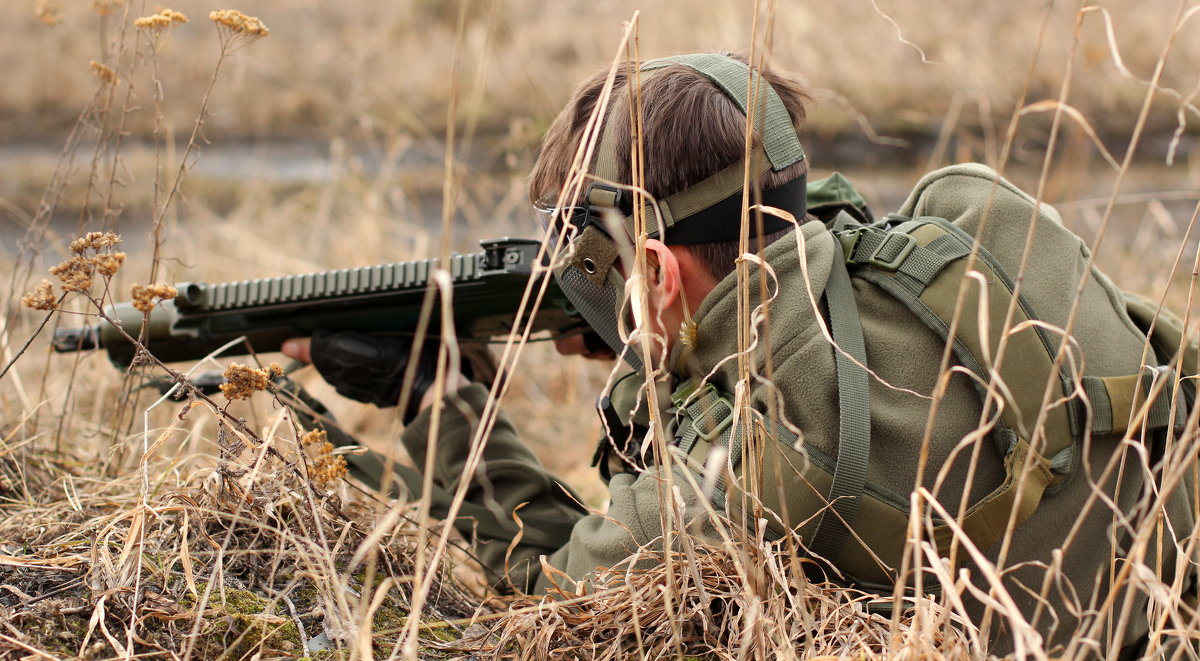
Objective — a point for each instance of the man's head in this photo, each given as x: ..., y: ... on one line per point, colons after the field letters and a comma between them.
x: 693, y: 128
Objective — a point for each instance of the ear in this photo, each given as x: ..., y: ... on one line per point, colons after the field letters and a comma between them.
x: 664, y: 277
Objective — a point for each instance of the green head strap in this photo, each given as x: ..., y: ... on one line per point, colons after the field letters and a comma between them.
x: 780, y: 148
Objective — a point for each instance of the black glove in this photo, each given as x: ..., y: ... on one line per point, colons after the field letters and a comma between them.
x: 371, y: 368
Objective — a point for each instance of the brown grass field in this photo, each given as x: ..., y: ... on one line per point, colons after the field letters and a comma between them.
x: 360, y: 132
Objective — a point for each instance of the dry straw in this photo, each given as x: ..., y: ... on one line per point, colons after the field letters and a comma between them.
x: 242, y: 538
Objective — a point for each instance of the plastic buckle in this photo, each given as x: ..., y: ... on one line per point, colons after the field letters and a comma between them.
x: 712, y: 435
x: 895, y: 262
x: 849, y: 240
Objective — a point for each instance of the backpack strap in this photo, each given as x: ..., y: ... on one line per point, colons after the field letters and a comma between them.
x: 854, y: 416
x: 705, y: 422
x: 1115, y: 399
x: 707, y: 417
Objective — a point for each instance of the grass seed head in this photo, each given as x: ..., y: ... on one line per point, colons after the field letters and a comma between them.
x: 145, y: 297
x: 41, y: 298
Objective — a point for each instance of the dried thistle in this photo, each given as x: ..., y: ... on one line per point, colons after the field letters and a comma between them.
x: 49, y: 12
x: 41, y: 298
x: 238, y: 23
x: 104, y: 73
x: 145, y: 297
x: 242, y: 381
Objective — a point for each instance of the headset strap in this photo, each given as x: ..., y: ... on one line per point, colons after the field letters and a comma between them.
x: 780, y: 149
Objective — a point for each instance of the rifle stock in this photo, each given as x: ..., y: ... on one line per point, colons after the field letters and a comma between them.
x: 488, y: 287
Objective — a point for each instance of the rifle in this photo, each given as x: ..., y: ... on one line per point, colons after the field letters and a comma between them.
x: 488, y: 287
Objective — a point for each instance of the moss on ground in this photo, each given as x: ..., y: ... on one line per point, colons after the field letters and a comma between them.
x: 241, y: 623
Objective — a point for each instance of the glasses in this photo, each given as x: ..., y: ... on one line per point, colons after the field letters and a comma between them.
x: 557, y: 219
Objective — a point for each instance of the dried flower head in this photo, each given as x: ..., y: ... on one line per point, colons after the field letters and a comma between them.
x: 41, y: 298
x: 153, y: 21
x: 163, y: 19
x: 107, y: 264
x: 90, y: 253
x: 242, y: 381
x: 75, y: 273
x: 104, y: 73
x: 314, y: 437
x: 95, y: 241
x: 145, y: 297
x: 106, y: 7
x: 238, y: 23
x: 49, y: 12
x: 326, y: 468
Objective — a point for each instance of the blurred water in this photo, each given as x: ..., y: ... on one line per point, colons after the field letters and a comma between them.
x: 884, y: 175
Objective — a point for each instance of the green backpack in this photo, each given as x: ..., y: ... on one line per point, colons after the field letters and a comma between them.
x: 920, y: 256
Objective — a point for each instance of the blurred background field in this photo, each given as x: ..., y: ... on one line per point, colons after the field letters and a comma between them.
x: 325, y: 146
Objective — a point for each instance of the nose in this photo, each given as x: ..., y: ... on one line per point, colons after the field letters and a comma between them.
x: 571, y: 345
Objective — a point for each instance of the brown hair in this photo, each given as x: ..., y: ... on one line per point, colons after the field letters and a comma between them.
x: 692, y: 130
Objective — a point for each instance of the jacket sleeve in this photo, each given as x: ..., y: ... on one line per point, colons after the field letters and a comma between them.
x: 511, y: 478
x: 633, y: 522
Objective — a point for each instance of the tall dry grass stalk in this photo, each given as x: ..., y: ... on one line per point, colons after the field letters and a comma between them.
x: 221, y: 527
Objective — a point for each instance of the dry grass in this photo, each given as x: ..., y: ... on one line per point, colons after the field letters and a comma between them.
x: 130, y: 529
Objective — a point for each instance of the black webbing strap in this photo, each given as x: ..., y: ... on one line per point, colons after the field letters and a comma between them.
x: 854, y: 417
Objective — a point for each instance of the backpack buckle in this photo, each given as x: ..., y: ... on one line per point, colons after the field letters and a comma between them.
x: 708, y: 413
x: 849, y: 240
x: 890, y: 254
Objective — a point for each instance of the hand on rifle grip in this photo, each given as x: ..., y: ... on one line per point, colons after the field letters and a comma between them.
x: 372, y: 368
